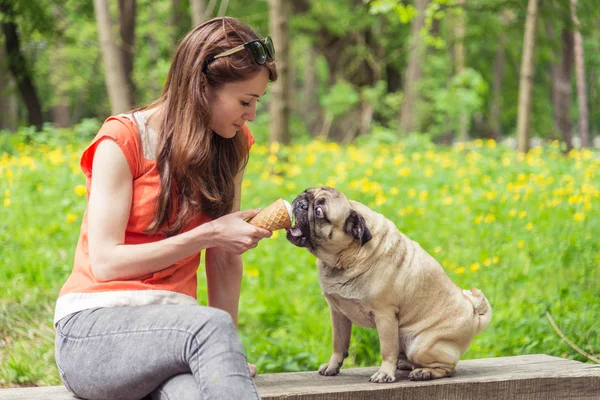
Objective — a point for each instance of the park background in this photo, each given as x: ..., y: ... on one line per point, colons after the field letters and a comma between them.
x: 472, y: 124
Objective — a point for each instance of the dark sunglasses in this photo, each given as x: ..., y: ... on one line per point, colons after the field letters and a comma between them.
x: 261, y: 50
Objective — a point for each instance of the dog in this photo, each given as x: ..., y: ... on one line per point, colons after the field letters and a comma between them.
x: 374, y: 276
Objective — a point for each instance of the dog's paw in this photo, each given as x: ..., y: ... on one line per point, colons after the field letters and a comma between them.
x: 382, y: 377
x: 327, y: 370
x: 420, y: 374
x: 404, y: 366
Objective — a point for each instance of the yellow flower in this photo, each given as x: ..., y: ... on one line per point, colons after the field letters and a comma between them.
x: 252, y: 272
x: 275, y: 234
x: 577, y: 217
x: 80, y: 190
x: 478, y: 219
x: 520, y: 244
x: 428, y: 172
x: 437, y: 249
x: 522, y: 214
x: 529, y: 226
x: 272, y: 159
x: 491, y: 144
x: 411, y: 192
x: 460, y: 270
x: 404, y: 171
x: 475, y: 267
x: 489, y: 218
x: 394, y: 191
x: 423, y: 195
x: 495, y: 259
x: 487, y: 262
x: 71, y: 218
x: 512, y: 212
x: 7, y: 193
x: 274, y: 147
x: 6, y: 202
x: 447, y: 200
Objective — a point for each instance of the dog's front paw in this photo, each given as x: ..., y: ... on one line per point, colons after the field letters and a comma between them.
x: 328, y: 370
x: 404, y: 366
x: 382, y: 376
x: 420, y: 374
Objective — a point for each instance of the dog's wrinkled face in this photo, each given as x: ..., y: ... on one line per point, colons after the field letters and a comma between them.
x: 325, y: 222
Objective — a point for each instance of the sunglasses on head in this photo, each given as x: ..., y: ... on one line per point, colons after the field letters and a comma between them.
x: 261, y: 50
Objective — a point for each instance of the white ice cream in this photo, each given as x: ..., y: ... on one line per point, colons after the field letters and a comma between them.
x: 289, y: 209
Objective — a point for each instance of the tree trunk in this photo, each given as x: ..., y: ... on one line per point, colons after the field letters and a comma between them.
x: 223, y: 8
x: 413, y: 70
x: 17, y: 65
x: 526, y: 77
x: 279, y: 104
x: 60, y: 110
x: 459, y: 59
x: 310, y: 103
x: 8, y: 98
x: 127, y: 29
x: 584, y: 129
x: 198, y: 8
x: 115, y: 76
x: 562, y: 71
x: 495, y: 111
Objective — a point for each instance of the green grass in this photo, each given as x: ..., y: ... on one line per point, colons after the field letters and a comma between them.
x: 523, y: 229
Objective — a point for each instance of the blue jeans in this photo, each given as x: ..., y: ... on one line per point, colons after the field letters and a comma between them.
x: 171, y: 352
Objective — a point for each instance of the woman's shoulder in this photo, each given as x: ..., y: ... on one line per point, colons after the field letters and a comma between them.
x: 122, y: 130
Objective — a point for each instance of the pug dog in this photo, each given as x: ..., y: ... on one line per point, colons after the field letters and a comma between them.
x: 374, y: 276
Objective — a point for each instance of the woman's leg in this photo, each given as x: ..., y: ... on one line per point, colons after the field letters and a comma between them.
x: 179, y: 387
x: 127, y: 352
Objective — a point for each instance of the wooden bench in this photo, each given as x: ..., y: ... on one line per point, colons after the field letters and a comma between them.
x: 527, y: 377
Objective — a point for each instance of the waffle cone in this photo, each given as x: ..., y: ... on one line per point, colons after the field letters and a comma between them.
x: 275, y: 216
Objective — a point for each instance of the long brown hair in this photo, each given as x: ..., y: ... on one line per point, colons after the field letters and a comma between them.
x: 193, y: 161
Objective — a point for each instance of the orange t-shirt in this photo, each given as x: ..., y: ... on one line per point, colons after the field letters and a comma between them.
x: 176, y: 284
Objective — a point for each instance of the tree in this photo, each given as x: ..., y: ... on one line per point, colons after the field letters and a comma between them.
x: 279, y: 104
x: 8, y: 100
x: 413, y: 69
x: 459, y: 61
x: 201, y: 11
x: 526, y: 77
x: 562, y: 71
x: 116, y: 79
x: 18, y: 65
x: 584, y: 134
x: 127, y: 42
x: 495, y: 110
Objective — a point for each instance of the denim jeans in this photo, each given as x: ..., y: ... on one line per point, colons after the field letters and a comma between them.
x: 171, y: 352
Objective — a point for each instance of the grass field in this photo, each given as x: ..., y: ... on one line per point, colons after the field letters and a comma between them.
x: 523, y: 229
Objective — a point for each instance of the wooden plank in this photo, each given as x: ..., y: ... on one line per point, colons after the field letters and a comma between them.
x: 530, y: 377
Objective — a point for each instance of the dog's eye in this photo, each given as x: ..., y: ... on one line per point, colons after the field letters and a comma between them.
x: 319, y: 212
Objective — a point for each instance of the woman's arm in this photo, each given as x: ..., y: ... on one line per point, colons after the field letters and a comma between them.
x: 108, y: 213
x: 224, y: 270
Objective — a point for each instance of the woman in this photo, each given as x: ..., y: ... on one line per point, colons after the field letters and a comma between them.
x: 163, y: 184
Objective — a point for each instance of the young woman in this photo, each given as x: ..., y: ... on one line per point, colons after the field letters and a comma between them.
x: 164, y: 184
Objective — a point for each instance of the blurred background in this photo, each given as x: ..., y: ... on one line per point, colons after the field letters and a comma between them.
x: 449, y: 69
x: 471, y: 124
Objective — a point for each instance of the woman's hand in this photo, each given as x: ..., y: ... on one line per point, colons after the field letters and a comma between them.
x: 232, y: 233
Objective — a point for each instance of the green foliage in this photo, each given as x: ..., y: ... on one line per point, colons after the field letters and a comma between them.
x: 523, y: 229
x: 340, y: 99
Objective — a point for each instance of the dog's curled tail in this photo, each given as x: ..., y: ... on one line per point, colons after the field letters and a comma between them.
x: 481, y: 307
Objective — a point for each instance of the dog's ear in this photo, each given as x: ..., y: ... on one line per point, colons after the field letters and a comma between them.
x: 355, y: 227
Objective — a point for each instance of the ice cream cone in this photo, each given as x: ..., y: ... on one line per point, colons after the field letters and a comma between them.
x: 278, y: 215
